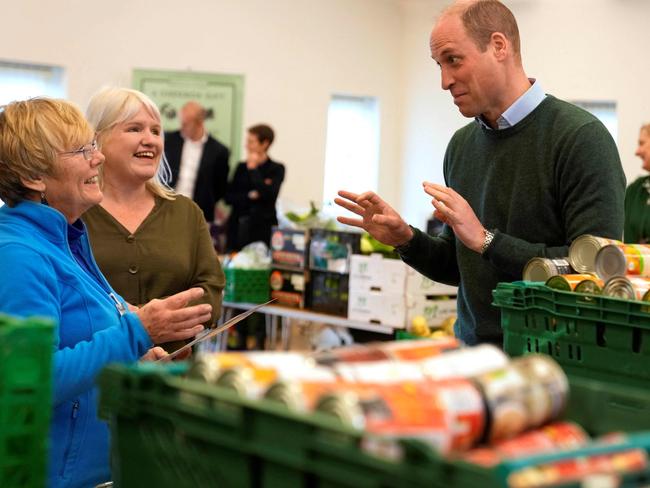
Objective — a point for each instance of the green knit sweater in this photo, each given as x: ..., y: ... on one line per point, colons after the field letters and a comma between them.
x: 637, y: 211
x: 538, y: 185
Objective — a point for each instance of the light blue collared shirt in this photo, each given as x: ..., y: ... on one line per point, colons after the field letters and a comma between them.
x: 524, y: 105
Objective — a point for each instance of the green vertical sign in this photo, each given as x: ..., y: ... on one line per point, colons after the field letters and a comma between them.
x: 220, y: 94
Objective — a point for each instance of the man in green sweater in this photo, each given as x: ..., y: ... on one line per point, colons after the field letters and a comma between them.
x: 526, y: 177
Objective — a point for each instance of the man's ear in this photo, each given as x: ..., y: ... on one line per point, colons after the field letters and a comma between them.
x: 37, y: 184
x: 499, y: 45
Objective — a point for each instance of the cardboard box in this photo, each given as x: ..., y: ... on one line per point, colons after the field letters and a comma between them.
x: 417, y: 285
x: 289, y: 247
x: 435, y: 311
x: 377, y: 273
x: 288, y: 287
x: 377, y: 308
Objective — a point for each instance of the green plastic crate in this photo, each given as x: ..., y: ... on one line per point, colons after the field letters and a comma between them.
x: 602, y: 343
x: 169, y: 431
x: 603, y: 338
x: 25, y: 400
x: 247, y: 285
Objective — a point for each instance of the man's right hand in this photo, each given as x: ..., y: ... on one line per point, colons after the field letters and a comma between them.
x: 171, y: 319
x: 378, y: 218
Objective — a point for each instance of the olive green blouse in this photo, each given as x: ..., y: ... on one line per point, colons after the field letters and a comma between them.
x: 170, y: 251
x: 637, y: 212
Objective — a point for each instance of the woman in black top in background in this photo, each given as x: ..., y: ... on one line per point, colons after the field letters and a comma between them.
x: 253, y: 191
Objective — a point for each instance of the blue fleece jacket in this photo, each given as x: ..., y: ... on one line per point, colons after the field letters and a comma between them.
x: 39, y: 276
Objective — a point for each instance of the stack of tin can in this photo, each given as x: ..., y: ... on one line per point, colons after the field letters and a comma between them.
x: 450, y: 397
x: 597, y: 265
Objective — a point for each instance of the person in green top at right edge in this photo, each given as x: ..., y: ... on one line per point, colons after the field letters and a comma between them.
x: 526, y: 177
x: 637, y: 196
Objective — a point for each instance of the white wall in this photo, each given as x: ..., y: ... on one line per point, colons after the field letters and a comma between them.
x: 578, y: 49
x: 294, y: 55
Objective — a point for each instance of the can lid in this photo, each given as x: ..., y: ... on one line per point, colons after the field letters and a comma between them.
x: 344, y: 406
x: 610, y: 261
x: 619, y: 287
x: 537, y: 269
x: 582, y: 253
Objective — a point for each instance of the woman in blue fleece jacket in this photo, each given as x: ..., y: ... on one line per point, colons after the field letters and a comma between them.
x: 48, y: 177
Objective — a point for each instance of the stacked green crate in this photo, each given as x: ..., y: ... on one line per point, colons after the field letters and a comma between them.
x: 602, y: 343
x: 170, y: 431
x: 25, y: 400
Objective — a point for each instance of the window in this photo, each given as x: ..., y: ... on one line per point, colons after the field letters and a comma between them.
x: 605, y: 111
x: 19, y: 81
x: 352, y: 148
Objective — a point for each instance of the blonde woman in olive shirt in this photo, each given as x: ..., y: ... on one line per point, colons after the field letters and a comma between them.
x: 148, y: 241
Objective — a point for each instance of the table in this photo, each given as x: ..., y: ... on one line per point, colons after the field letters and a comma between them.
x: 275, y: 315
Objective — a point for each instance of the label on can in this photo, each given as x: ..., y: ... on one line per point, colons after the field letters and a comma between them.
x: 576, y: 469
x: 552, y: 438
x: 505, y: 396
x: 394, y: 410
x: 569, y: 282
x: 465, y: 362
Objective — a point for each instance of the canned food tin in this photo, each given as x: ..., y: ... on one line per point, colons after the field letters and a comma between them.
x: 464, y: 363
x: 628, y: 288
x: 409, y: 350
x: 623, y: 259
x: 551, y: 438
x: 583, y: 250
x: 410, y: 410
x: 504, y: 392
x: 298, y: 395
x: 240, y: 380
x: 418, y: 349
x: 580, y: 283
x: 380, y: 372
x: 541, y: 269
x: 351, y: 354
x: 465, y: 410
x: 548, y: 387
x: 571, y: 471
x: 267, y: 365
x: 529, y: 392
x: 205, y: 368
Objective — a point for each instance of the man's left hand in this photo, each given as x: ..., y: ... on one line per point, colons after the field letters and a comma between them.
x: 453, y: 210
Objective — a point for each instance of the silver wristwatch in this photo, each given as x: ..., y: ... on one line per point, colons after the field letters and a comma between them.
x: 489, y: 235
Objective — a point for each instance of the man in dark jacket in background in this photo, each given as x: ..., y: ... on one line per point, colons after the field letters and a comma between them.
x: 198, y: 162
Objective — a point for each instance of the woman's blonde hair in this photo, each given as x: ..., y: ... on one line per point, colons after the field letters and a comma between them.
x: 32, y: 134
x: 113, y: 105
x: 646, y: 128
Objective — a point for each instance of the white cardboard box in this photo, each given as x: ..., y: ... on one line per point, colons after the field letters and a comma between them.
x: 377, y: 273
x: 418, y: 284
x: 435, y: 311
x: 377, y: 307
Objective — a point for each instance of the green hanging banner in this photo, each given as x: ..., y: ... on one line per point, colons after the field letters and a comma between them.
x: 220, y: 94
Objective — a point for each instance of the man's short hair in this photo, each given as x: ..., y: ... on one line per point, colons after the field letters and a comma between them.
x: 198, y: 111
x: 263, y: 132
x: 482, y: 18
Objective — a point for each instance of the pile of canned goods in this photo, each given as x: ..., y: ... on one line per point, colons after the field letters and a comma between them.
x: 596, y: 265
x: 473, y: 404
x: 453, y: 398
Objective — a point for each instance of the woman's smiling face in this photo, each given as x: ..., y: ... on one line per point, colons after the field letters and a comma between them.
x: 133, y: 148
